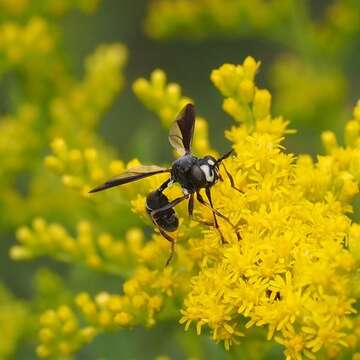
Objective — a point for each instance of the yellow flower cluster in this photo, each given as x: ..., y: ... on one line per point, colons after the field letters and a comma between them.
x: 15, y: 157
x: 146, y: 293
x: 61, y: 333
x: 236, y: 83
x: 292, y: 271
x: 80, y: 168
x: 98, y: 251
x: 334, y: 177
x: 74, y: 116
x: 43, y: 102
x: 166, y: 101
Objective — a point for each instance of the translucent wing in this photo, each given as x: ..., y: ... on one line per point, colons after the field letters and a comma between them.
x: 175, y: 139
x: 133, y: 174
x: 182, y: 130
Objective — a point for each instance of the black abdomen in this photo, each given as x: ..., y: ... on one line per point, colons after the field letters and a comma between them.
x: 167, y: 219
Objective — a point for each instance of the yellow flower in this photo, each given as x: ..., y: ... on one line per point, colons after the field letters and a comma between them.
x: 291, y: 274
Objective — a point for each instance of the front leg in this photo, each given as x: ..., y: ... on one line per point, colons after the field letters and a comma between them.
x: 191, y: 212
x: 203, y: 202
x: 231, y: 179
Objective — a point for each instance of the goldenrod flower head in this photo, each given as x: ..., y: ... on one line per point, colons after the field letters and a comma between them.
x: 293, y: 272
x: 250, y: 67
x: 280, y: 274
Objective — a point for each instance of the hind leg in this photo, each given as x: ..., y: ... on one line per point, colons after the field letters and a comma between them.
x: 164, y: 208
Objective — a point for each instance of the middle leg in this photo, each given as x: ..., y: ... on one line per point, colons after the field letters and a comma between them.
x: 191, y: 212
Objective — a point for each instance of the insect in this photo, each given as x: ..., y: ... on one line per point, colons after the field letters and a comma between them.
x: 191, y: 172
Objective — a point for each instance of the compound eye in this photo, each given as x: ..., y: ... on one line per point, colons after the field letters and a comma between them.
x: 197, y: 174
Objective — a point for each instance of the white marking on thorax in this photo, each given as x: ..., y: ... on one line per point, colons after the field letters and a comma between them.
x: 210, y: 162
x: 209, y: 175
x: 185, y: 191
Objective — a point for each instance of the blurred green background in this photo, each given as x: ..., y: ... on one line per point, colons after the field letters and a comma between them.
x: 135, y: 132
x: 189, y: 63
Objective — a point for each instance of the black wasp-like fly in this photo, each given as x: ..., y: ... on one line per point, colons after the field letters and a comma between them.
x: 191, y: 172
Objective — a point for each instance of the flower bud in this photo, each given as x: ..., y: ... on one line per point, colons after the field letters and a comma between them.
x: 141, y: 87
x: 54, y: 164
x: 158, y: 79
x: 173, y: 92
x: 329, y: 141
x: 59, y: 147
x: 246, y: 90
x: 42, y: 351
x: 250, y: 67
x: 20, y: 253
x: 90, y: 154
x: 262, y: 103
x: 88, y: 333
x: 352, y: 132
x: 123, y: 319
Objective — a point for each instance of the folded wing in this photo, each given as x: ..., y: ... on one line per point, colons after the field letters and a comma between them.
x: 182, y: 130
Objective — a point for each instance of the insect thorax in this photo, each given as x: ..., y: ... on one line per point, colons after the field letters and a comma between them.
x: 194, y: 173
